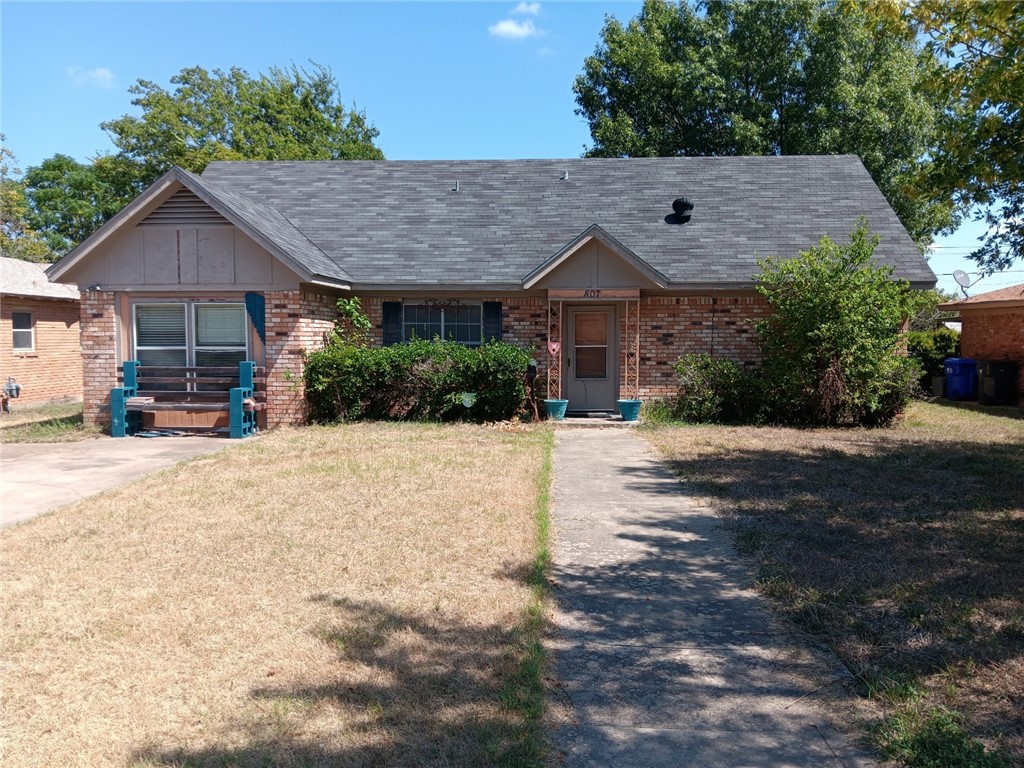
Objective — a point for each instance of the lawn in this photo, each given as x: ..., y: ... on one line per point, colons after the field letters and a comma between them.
x: 344, y: 596
x: 59, y: 423
x: 902, y: 549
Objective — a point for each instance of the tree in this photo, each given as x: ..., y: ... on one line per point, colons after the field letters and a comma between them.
x: 17, y: 239
x: 832, y: 342
x: 769, y: 78
x: 286, y: 114
x: 981, y: 154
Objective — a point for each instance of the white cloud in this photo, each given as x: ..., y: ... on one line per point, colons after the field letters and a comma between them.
x: 530, y: 9
x: 511, y: 29
x: 100, y: 77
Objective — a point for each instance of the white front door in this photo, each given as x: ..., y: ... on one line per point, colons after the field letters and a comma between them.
x: 591, y: 358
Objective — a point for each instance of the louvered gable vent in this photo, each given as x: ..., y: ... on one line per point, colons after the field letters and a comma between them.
x: 184, y: 209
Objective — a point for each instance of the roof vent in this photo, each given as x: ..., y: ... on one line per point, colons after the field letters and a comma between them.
x: 682, y: 207
x: 564, y: 175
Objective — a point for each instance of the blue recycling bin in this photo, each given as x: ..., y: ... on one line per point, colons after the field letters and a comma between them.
x: 961, y: 378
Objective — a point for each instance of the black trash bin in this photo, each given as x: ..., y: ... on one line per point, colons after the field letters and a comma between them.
x: 997, y: 382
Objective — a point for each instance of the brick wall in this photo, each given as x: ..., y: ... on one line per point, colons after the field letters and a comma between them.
x: 52, y: 371
x: 99, y: 355
x: 995, y: 335
x: 297, y: 321
x: 670, y: 326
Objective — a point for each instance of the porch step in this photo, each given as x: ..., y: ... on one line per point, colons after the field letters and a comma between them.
x: 595, y: 421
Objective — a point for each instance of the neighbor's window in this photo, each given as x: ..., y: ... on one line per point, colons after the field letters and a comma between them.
x: 457, y: 322
x: 197, y: 334
x: 24, y: 335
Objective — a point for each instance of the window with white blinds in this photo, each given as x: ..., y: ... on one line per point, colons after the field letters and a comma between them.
x: 197, y: 334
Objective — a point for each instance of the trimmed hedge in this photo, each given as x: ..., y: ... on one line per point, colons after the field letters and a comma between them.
x: 419, y: 381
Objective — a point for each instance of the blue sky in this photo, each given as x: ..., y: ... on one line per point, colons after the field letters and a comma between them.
x: 438, y: 80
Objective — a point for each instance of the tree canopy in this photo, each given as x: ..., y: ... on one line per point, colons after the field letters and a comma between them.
x: 981, y: 155
x: 770, y: 77
x: 285, y: 114
x: 17, y: 239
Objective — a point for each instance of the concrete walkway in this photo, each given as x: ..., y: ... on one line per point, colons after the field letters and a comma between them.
x: 666, y: 655
x: 37, y: 478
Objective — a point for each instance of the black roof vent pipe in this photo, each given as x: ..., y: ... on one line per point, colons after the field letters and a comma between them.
x: 682, y: 207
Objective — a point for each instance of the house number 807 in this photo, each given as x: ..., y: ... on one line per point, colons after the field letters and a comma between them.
x: 591, y: 293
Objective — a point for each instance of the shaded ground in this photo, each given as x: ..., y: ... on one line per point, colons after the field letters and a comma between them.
x: 328, y: 596
x: 901, y: 549
x: 665, y: 654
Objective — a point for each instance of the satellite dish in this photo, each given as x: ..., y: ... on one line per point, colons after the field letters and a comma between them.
x: 962, y: 278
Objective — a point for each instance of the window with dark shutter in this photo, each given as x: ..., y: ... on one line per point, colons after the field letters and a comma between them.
x: 492, y: 321
x: 392, y: 322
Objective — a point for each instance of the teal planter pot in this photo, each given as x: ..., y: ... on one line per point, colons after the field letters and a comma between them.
x: 556, y: 409
x: 630, y: 409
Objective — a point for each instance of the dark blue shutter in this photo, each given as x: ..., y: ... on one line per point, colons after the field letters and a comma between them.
x: 392, y: 325
x: 492, y: 320
x: 256, y: 307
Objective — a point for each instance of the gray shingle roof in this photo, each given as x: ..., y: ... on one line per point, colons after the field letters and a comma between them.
x: 401, y: 223
x: 23, y: 278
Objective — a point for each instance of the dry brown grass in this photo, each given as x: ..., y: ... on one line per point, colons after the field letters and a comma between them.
x: 901, y: 548
x: 330, y: 596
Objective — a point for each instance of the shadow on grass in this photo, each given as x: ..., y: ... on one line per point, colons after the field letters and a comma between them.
x: 407, y: 690
x: 1002, y: 411
x: 906, y: 557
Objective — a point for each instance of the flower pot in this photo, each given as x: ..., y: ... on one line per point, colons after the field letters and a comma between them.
x: 630, y: 409
x: 556, y: 409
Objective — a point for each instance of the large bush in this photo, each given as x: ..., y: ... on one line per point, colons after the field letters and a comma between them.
x: 930, y: 349
x: 421, y: 380
x: 709, y: 389
x: 832, y: 343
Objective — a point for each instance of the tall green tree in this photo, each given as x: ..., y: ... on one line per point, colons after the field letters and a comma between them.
x: 285, y: 114
x: 17, y: 239
x: 981, y: 154
x: 70, y: 200
x: 773, y: 77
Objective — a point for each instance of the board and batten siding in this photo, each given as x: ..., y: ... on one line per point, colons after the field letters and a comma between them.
x: 183, y: 244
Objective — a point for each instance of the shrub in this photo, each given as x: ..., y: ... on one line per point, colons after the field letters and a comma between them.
x: 709, y: 389
x: 421, y: 380
x: 930, y: 349
x: 832, y: 342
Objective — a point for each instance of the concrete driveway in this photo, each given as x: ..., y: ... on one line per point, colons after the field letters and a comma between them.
x: 36, y: 478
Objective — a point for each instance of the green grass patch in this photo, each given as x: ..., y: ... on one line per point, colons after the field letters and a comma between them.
x: 46, y: 424
x: 932, y: 737
x: 523, y: 693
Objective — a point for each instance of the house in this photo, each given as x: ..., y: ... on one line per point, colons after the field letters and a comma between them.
x: 992, y: 327
x: 38, y: 335
x: 610, y: 268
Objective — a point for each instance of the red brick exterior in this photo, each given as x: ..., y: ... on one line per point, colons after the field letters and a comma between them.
x: 297, y: 321
x: 52, y: 370
x: 994, y: 334
x: 99, y: 355
x: 670, y: 326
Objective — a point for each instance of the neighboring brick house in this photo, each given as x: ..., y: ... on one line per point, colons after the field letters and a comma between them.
x: 39, y: 345
x: 992, y: 327
x: 587, y: 254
